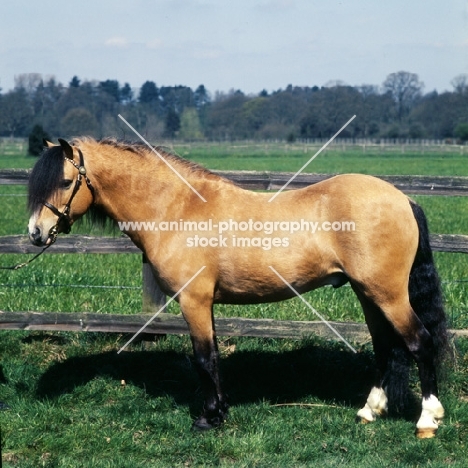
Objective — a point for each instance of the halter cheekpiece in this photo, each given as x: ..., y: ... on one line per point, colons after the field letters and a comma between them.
x: 64, y: 216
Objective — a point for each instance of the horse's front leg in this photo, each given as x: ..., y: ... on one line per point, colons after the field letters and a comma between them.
x: 206, y: 361
x: 199, y: 318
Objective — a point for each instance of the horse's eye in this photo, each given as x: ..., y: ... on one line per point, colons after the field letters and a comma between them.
x: 65, y: 184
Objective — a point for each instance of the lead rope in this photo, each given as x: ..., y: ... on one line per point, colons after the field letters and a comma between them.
x: 21, y: 265
x: 53, y: 237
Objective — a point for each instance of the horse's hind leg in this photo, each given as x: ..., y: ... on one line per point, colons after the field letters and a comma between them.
x: 383, y: 342
x: 391, y: 356
x: 199, y: 318
x: 421, y: 346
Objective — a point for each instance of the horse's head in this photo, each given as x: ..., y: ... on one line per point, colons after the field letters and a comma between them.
x: 57, y: 194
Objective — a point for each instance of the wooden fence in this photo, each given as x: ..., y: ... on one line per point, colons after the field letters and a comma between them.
x: 153, y: 298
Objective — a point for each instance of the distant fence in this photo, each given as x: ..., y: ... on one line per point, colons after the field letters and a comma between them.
x: 11, y: 146
x: 371, y: 145
x: 153, y: 298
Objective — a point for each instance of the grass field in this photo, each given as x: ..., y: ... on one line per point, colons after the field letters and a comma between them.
x: 335, y: 160
x: 73, y: 402
x: 293, y: 404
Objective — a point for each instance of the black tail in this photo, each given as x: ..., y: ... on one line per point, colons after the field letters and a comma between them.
x: 425, y: 291
x: 426, y: 300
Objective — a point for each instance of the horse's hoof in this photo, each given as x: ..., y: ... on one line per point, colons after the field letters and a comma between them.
x: 362, y: 420
x: 204, y: 424
x: 365, y: 415
x: 426, y: 433
x: 201, y: 425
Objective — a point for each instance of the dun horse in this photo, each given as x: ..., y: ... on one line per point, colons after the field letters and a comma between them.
x: 254, y: 250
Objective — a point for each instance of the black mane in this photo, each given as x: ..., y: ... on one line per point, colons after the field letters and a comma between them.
x: 45, y: 177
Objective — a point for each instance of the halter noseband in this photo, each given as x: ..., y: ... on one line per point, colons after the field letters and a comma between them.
x: 64, y: 216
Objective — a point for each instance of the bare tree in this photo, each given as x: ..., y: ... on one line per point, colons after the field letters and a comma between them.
x: 460, y: 83
x: 405, y: 89
x: 28, y: 81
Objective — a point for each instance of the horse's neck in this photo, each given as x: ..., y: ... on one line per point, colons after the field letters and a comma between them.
x: 132, y: 187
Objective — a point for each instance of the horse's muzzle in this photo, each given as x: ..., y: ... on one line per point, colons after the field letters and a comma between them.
x: 36, y: 237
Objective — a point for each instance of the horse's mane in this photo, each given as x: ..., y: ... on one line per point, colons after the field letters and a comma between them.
x: 143, y: 150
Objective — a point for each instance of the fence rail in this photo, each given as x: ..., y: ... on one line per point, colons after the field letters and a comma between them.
x: 70, y: 244
x: 175, y: 324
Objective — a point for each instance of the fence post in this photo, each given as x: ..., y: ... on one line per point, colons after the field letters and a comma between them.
x: 153, y: 297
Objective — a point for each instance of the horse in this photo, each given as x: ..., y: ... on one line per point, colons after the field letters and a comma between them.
x: 209, y: 241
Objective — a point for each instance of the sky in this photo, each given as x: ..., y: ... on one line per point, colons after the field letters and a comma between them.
x: 249, y: 45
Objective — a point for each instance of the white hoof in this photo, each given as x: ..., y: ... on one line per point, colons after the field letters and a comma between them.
x: 376, y: 405
x: 366, y: 414
x: 431, y: 416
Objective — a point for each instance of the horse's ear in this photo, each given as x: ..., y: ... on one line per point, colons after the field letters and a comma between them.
x: 47, y: 144
x: 67, y: 149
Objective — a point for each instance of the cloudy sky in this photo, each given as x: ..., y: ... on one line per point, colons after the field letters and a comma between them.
x: 235, y: 44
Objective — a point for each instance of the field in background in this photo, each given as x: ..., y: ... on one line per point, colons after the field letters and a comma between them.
x: 338, y: 157
x: 74, y: 403
x: 335, y: 159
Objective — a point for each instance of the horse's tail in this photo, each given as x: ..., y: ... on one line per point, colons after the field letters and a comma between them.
x: 425, y: 291
x: 426, y: 299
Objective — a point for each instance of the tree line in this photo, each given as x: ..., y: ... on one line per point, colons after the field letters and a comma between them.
x: 397, y: 109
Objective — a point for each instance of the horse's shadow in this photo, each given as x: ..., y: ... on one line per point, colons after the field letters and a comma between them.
x: 247, y: 376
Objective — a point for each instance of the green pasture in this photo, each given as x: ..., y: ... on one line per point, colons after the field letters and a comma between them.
x: 73, y: 402
x: 335, y: 159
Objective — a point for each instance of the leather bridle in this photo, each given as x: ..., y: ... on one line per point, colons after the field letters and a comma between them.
x: 63, y: 217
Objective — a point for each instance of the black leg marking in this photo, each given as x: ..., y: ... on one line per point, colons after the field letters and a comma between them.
x: 392, y: 356
x: 422, y: 348
x: 207, y: 364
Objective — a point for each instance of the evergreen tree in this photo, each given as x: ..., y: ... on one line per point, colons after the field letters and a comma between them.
x: 172, y: 123
x: 75, y: 82
x: 36, y: 140
x: 126, y: 94
x: 149, y: 93
x: 112, y: 88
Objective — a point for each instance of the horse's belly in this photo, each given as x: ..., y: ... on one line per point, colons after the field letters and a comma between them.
x: 251, y: 291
